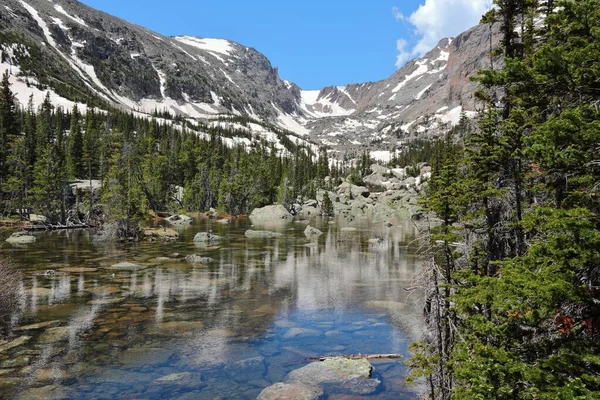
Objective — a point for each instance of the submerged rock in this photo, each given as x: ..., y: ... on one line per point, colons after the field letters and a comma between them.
x: 207, y: 237
x: 144, y: 356
x: 182, y: 379
x: 194, y: 259
x: 312, y: 232
x: 55, y: 335
x: 126, y: 266
x: 285, y: 391
x: 21, y: 238
x: 53, y: 392
x: 14, y: 343
x: 261, y: 234
x: 294, y: 332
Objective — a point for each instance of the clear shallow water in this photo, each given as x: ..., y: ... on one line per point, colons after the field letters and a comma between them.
x: 225, y: 330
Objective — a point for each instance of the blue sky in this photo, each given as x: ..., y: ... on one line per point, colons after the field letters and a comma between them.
x: 314, y: 43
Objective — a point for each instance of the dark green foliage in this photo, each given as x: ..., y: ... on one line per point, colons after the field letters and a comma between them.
x: 513, y: 297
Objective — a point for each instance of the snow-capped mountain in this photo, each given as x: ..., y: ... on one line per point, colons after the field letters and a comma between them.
x: 423, y: 99
x: 75, y: 52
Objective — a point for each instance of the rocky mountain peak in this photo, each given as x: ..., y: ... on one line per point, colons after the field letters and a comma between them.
x: 74, y: 51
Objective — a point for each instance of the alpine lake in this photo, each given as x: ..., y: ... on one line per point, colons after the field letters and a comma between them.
x: 252, y: 312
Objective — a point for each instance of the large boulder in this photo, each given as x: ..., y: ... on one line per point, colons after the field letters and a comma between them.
x: 338, y: 374
x: 271, y: 214
x: 349, y: 190
x: 375, y: 183
x: 21, y: 238
x: 207, y: 238
x: 399, y: 173
x: 379, y: 169
x: 308, y: 211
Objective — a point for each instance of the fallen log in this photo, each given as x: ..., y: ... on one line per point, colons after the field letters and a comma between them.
x: 31, y: 228
x: 358, y: 357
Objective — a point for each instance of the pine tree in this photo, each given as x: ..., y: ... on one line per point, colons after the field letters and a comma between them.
x: 8, y: 133
x: 76, y: 165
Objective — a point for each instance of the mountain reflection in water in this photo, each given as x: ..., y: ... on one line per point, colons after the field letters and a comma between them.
x: 226, y: 329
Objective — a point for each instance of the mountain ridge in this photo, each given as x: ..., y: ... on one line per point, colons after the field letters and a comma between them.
x: 86, y: 52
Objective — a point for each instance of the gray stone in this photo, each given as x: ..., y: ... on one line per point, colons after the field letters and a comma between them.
x: 353, y: 368
x: 194, y: 259
x: 375, y: 183
x: 261, y: 234
x: 290, y: 391
x: 55, y: 335
x: 179, y: 220
x: 207, y: 237
x: 338, y: 374
x: 268, y: 214
x: 399, y: 173
x: 311, y: 232
x: 21, y: 238
x: 379, y: 169
x: 7, y: 345
x: 144, y: 356
x: 181, y: 379
x: 126, y: 266
x: 16, y: 362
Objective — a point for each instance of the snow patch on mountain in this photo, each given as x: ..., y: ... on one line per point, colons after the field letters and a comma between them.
x: 319, y: 106
x: 216, y: 47
x: 66, y: 14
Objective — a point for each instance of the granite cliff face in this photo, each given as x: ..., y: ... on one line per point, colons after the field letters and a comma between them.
x: 75, y: 52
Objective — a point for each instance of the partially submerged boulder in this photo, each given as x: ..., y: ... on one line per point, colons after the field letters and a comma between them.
x: 261, y: 234
x: 338, y: 374
x: 195, y: 259
x: 207, y: 237
x: 311, y: 232
x: 21, y: 238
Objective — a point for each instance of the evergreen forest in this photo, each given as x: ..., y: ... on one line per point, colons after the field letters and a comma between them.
x: 513, y: 282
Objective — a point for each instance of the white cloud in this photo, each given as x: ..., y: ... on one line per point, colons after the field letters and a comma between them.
x: 398, y: 14
x: 435, y: 20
